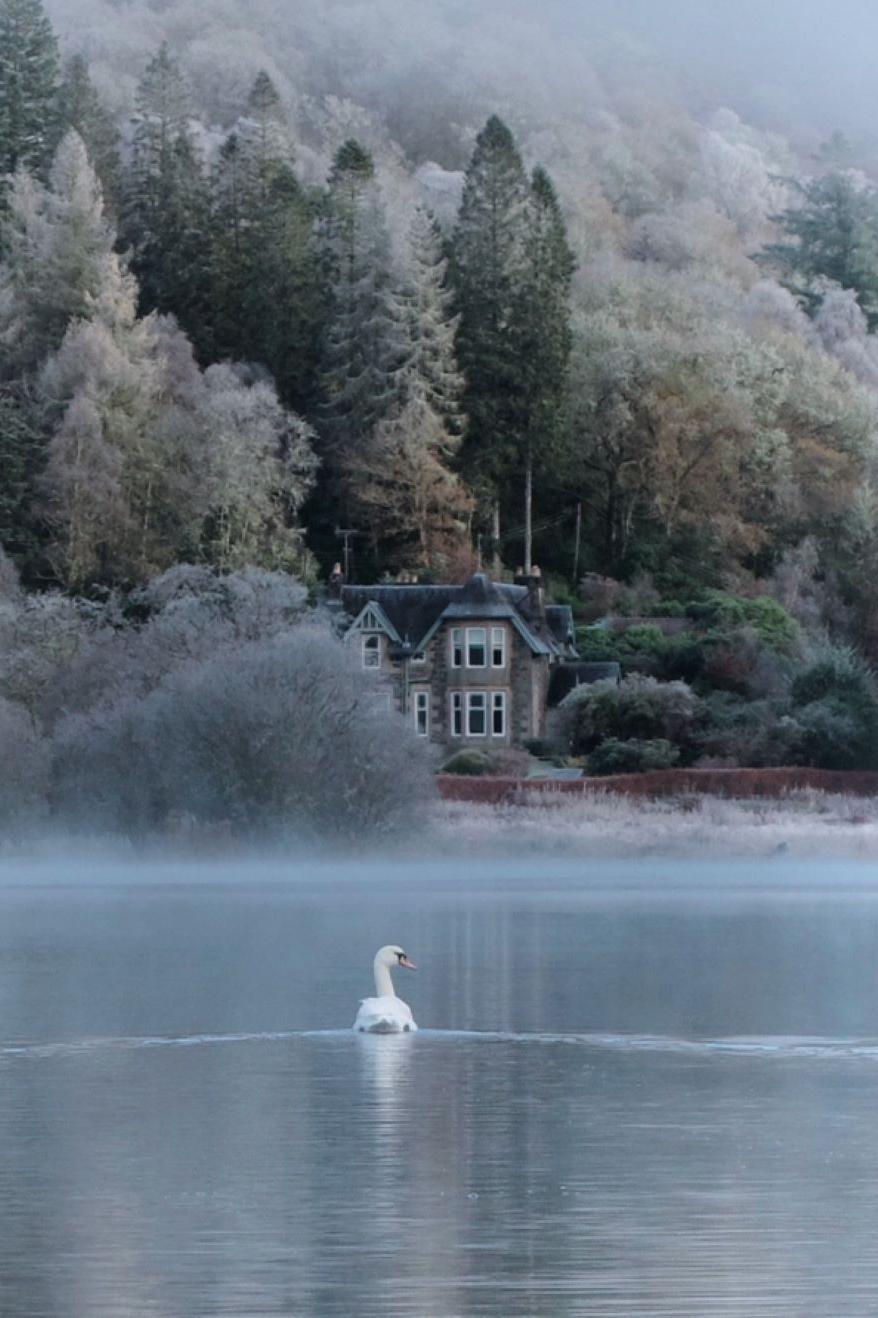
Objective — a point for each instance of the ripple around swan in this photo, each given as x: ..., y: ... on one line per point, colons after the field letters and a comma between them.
x: 769, y: 1046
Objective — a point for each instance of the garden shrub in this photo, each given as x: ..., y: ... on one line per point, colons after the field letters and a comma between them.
x: 756, y: 733
x: 470, y: 763
x: 632, y: 756
x: 835, y: 702
x: 639, y: 708
x: 770, y: 620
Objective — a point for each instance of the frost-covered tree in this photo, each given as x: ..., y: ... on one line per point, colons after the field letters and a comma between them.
x: 431, y: 323
x: 100, y: 480
x: 832, y: 234
x: 260, y: 467
x: 58, y: 257
x: 28, y: 82
x: 80, y: 108
x: 364, y: 340
x: 189, y: 613
x: 277, y: 736
x: 24, y: 771
x: 404, y: 493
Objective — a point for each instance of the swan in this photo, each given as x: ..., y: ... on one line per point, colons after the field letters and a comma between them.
x: 386, y: 1013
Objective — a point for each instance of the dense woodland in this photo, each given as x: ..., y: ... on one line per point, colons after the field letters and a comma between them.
x: 265, y: 277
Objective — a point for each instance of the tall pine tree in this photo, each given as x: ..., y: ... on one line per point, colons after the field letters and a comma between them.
x: 488, y: 270
x: 543, y: 337
x: 28, y: 83
x: 364, y: 342
x: 80, y: 108
x: 831, y: 234
x: 166, y: 205
x: 431, y: 322
x: 402, y: 489
x: 268, y: 291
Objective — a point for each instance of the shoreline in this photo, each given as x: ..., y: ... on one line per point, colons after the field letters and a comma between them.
x: 605, y: 825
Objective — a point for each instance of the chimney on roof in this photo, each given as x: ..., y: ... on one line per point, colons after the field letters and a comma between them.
x: 336, y: 581
x: 535, y: 607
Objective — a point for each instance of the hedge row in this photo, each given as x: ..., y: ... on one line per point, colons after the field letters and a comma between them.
x: 735, y: 783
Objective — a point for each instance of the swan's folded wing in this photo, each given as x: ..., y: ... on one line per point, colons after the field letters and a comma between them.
x: 384, y: 1016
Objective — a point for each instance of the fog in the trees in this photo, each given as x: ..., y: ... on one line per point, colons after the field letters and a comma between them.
x: 801, y: 64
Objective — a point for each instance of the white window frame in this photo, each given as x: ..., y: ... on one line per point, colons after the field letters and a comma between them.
x: 420, y: 657
x: 498, y: 645
x: 456, y: 707
x: 472, y: 696
x: 498, y: 706
x: 371, y: 644
x: 421, y: 706
x: 457, y: 647
x: 472, y: 631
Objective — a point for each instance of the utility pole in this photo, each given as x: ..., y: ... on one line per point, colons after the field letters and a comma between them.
x: 347, y: 534
x: 577, y: 542
x: 495, y: 538
x: 528, y: 512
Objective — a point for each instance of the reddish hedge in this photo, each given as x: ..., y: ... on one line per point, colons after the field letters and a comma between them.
x: 736, y: 783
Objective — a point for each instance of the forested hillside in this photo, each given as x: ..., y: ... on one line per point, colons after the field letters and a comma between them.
x: 453, y: 280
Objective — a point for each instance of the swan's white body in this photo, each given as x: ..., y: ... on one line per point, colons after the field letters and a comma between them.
x: 386, y: 1013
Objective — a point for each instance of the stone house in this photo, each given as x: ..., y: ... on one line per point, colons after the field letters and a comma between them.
x: 470, y: 665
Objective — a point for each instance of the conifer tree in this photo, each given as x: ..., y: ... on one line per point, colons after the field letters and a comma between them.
x: 403, y: 492
x: 834, y: 235
x: 268, y: 291
x: 487, y: 270
x: 364, y: 343
x: 58, y: 254
x: 165, y: 214
x: 543, y: 335
x: 431, y: 323
x: 80, y: 108
x: 22, y: 453
x: 28, y: 82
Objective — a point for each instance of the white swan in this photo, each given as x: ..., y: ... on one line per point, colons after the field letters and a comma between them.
x: 386, y: 1013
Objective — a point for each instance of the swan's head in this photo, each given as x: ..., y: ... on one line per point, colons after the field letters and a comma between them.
x: 392, y: 956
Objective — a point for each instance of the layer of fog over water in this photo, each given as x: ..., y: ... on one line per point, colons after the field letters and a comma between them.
x: 639, y: 1088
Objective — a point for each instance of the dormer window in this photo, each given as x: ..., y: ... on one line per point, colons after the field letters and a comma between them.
x: 372, y: 651
x: 457, y: 647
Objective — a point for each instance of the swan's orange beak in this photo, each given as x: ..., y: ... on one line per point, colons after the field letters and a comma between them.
x: 409, y: 965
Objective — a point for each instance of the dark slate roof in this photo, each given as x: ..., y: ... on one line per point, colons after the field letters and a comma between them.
x: 567, y: 676
x: 416, y: 611
x: 559, y: 618
x: 412, y: 609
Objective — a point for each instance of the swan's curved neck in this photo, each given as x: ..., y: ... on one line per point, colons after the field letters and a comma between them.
x: 383, y: 982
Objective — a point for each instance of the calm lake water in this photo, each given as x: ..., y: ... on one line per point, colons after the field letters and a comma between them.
x: 639, y: 1089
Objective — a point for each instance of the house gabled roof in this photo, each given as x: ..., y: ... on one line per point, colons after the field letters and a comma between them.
x: 372, y: 614
x: 415, y: 613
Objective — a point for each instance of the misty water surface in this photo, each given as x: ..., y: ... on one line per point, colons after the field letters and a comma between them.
x: 638, y: 1090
